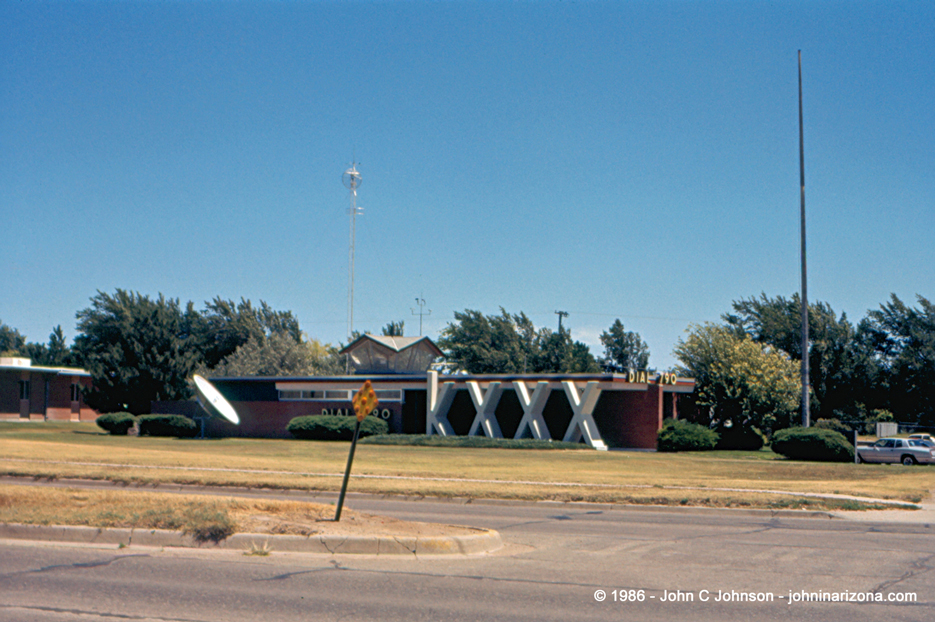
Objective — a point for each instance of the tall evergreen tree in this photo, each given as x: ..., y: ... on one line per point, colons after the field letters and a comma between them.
x: 394, y: 329
x: 510, y: 344
x: 623, y: 349
x: 136, y: 349
x: 903, y: 338
x: 11, y: 340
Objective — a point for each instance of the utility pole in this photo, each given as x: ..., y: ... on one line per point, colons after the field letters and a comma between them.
x: 560, y: 315
x: 421, y: 302
x: 805, y: 382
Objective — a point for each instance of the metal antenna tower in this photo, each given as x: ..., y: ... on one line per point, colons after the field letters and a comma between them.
x: 421, y: 302
x: 351, y: 179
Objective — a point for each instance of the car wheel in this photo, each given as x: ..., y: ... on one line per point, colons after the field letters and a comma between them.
x: 908, y: 460
x: 860, y: 460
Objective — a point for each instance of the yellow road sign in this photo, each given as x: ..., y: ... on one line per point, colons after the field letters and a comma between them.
x: 365, y: 401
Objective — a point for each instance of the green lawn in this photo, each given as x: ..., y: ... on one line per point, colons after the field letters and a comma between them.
x: 68, y: 450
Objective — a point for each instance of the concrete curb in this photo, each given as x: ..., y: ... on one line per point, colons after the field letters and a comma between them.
x: 483, y: 541
x: 893, y: 515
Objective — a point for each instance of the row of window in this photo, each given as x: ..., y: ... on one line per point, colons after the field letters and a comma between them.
x: 24, y: 391
x: 340, y: 395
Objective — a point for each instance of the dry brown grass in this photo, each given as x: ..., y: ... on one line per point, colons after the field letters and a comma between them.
x: 205, y: 517
x: 70, y: 450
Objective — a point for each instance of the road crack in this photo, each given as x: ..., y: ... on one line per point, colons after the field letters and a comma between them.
x: 917, y: 567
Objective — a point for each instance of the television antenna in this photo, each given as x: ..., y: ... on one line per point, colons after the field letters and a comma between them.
x: 421, y: 302
x: 351, y: 179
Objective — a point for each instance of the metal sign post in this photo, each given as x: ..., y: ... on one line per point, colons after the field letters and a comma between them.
x: 364, y: 402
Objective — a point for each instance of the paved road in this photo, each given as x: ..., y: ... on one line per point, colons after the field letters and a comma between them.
x: 555, y: 559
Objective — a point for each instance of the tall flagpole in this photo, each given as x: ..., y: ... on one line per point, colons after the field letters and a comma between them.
x: 805, y: 382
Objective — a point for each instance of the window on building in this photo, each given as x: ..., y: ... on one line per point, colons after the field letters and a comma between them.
x: 24, y: 389
x: 287, y: 395
x: 75, y: 392
x: 337, y: 395
x: 389, y: 395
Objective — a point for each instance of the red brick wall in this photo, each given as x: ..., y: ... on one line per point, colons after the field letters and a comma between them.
x: 630, y: 418
x: 59, y: 406
x: 9, y: 394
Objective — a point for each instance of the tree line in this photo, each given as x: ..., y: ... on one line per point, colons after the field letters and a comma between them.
x: 140, y: 349
x: 510, y: 344
x: 746, y: 367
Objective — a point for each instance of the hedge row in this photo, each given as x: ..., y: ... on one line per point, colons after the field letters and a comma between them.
x: 334, y: 428
x: 167, y: 425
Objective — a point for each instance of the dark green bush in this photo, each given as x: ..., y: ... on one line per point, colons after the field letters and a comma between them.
x: 334, y: 427
x: 167, y: 425
x: 116, y: 423
x: 836, y: 425
x: 740, y: 438
x: 678, y: 435
x: 813, y: 444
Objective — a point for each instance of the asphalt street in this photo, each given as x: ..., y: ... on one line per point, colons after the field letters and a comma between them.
x: 556, y: 558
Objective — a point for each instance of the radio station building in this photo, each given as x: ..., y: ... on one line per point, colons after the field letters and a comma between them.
x: 603, y: 410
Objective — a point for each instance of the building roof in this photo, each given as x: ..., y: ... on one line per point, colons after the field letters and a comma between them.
x: 397, y: 344
x: 64, y: 371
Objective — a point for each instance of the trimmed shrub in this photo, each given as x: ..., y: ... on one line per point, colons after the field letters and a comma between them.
x: 813, y: 444
x: 116, y: 423
x: 836, y: 425
x: 740, y: 438
x: 678, y: 435
x: 334, y: 427
x: 168, y: 425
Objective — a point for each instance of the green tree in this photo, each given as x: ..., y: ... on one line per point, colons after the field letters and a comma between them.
x: 482, y: 344
x: 509, y: 343
x: 11, y: 340
x: 579, y: 360
x: 903, y: 339
x: 224, y: 326
x: 558, y: 353
x: 842, y: 368
x: 136, y: 349
x: 623, y: 349
x: 394, y: 329
x: 738, y: 382
x: 280, y: 355
x: 56, y: 353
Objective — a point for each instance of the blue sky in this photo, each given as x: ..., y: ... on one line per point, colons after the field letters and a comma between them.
x: 631, y: 159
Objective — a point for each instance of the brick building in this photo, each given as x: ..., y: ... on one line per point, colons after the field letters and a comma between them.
x: 29, y: 392
x: 602, y: 410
